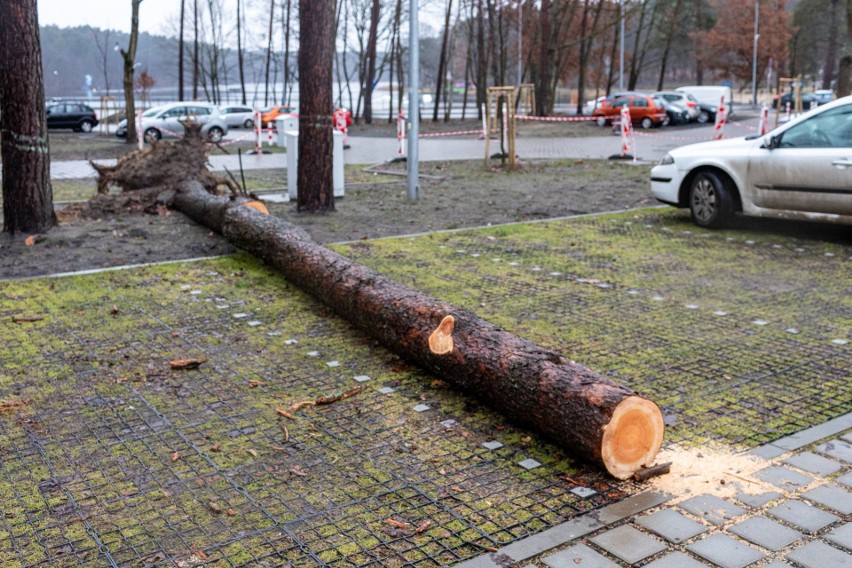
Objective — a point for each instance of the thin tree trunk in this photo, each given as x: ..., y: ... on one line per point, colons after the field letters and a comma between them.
x: 180, y: 51
x: 287, y: 84
x: 831, y: 49
x: 674, y: 18
x: 585, y: 413
x: 372, y: 39
x: 129, y: 58
x: 545, y: 62
x: 27, y: 193
x: 240, y: 59
x: 316, y: 59
x: 268, y: 53
x: 195, y: 61
x: 482, y: 60
x: 442, y: 62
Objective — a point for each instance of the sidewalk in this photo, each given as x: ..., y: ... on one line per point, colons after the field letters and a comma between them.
x: 651, y: 145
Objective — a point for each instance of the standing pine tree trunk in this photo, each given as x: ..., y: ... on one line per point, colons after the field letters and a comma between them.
x: 844, y: 71
x: 316, y: 59
x: 831, y: 49
x: 287, y: 86
x: 129, y: 58
x: 27, y: 193
x: 442, y: 62
x: 195, y: 61
x: 543, y: 96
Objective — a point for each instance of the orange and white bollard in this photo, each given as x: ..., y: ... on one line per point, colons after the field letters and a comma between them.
x: 763, y: 126
x: 140, y: 136
x: 258, y: 143
x: 627, y: 141
x: 721, y: 119
x: 340, y: 125
x: 400, y: 134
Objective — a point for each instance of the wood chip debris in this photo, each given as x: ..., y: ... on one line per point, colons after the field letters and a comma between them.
x: 186, y: 363
x: 10, y: 405
x: 26, y: 319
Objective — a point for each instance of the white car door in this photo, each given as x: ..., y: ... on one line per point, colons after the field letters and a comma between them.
x: 807, y: 167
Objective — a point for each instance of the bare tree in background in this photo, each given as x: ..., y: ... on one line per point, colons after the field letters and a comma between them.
x: 269, y: 53
x: 370, y: 79
x: 288, y: 85
x: 240, y: 59
x: 129, y: 57
x: 104, y: 51
x: 844, y: 71
x: 316, y: 59
x: 180, y: 50
x: 27, y: 193
x: 195, y: 62
x: 442, y: 62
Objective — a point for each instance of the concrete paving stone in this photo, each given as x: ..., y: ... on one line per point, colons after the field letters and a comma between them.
x: 628, y: 543
x: 837, y: 449
x: 783, y: 477
x: 712, y: 509
x: 801, y: 439
x: 676, y: 560
x: 845, y: 479
x: 813, y: 463
x: 778, y: 564
x: 832, y: 497
x: 493, y: 445
x: 386, y: 390
x: 757, y: 500
x: 841, y: 535
x: 725, y: 551
x: 580, y: 555
x: 768, y: 534
x: 526, y: 548
x: 529, y: 463
x: 817, y: 554
x: 802, y: 515
x: 631, y: 506
x: 768, y: 451
x: 671, y: 525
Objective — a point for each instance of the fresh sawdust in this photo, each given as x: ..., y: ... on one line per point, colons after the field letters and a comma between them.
x: 716, y: 470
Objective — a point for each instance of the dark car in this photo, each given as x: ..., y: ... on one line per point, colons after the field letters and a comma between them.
x: 77, y: 117
x: 675, y: 114
x: 809, y: 100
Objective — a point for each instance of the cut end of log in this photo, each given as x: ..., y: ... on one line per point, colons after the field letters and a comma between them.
x: 257, y: 206
x: 441, y: 340
x: 633, y: 437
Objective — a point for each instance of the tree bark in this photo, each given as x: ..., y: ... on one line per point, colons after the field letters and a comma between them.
x: 316, y: 58
x: 240, y: 58
x: 587, y: 414
x: 27, y: 193
x: 442, y: 62
x: 268, y: 54
x: 844, y: 70
x: 180, y: 51
x: 372, y: 40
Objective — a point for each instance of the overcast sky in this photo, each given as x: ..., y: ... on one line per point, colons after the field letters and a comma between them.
x: 154, y: 15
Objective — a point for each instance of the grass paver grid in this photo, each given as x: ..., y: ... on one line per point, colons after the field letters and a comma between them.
x: 119, y: 457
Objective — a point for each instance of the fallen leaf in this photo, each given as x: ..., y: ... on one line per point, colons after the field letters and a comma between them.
x: 7, y: 405
x: 30, y: 241
x: 253, y: 384
x: 114, y: 310
x: 252, y: 452
x: 397, y: 524
x: 214, y: 507
x: 186, y: 363
x: 200, y: 554
x: 231, y: 512
x: 215, y: 447
x: 175, y: 456
x: 442, y: 471
x: 296, y: 470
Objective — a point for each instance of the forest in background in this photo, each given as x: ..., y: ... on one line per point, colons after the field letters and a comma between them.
x: 556, y: 45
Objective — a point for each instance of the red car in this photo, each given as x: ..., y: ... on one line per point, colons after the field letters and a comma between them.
x: 644, y: 110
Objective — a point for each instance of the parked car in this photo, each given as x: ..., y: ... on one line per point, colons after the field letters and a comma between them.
x: 709, y: 98
x: 809, y: 100
x: 675, y: 114
x: 77, y: 117
x: 238, y: 116
x: 167, y: 120
x: 594, y: 103
x: 800, y: 170
x: 824, y: 96
x: 683, y: 100
x: 644, y: 110
x: 270, y: 114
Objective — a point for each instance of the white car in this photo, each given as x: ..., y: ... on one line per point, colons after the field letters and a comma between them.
x: 238, y: 116
x: 167, y: 120
x: 801, y: 170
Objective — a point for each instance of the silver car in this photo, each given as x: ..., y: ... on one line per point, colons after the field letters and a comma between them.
x: 800, y: 170
x: 167, y: 120
x: 238, y: 116
x: 683, y: 100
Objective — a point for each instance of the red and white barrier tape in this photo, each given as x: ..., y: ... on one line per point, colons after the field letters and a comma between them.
x: 456, y: 133
x: 556, y: 118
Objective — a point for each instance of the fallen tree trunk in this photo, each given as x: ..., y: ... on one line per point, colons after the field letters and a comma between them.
x: 587, y: 414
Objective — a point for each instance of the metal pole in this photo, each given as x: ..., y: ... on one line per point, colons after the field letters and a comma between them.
x: 754, y: 57
x: 520, y: 37
x: 621, y: 52
x: 414, y: 102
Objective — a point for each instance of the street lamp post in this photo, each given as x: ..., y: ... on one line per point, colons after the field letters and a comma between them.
x: 754, y: 55
x: 520, y: 37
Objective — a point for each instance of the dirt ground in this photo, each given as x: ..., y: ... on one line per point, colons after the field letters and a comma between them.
x: 452, y: 195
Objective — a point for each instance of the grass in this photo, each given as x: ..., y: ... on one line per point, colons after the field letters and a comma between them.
x: 636, y: 296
